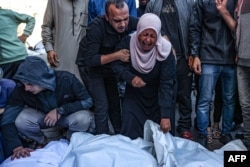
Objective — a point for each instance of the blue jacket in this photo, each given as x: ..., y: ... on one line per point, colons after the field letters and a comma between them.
x: 97, y: 8
x: 6, y: 88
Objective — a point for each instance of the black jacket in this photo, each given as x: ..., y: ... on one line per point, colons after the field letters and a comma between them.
x: 160, y: 83
x: 210, y: 37
x: 69, y: 94
x: 101, y: 38
x: 62, y: 90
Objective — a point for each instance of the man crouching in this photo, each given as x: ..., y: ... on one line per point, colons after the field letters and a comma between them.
x: 43, y: 98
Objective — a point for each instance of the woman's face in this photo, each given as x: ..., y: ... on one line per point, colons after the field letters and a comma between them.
x: 147, y: 39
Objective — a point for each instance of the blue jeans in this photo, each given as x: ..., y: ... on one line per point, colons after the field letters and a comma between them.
x: 207, y: 81
x: 243, y: 76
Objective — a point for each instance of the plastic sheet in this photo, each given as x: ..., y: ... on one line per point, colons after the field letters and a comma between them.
x: 178, y: 152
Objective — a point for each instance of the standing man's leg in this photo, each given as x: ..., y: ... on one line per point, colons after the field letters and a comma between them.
x: 184, y: 89
x: 9, y: 69
x: 207, y: 82
x: 228, y: 84
x: 98, y: 92
x: 243, y: 76
x: 111, y: 85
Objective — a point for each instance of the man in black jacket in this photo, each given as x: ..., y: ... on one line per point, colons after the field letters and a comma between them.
x: 175, y: 16
x: 44, y: 98
x: 96, y: 52
x: 213, y: 48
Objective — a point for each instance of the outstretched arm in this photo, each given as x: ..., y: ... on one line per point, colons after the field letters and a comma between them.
x: 221, y: 6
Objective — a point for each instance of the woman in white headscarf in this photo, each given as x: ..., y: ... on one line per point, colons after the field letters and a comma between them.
x: 150, y: 78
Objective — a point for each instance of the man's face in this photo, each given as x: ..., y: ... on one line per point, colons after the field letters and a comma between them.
x: 34, y: 89
x: 118, y: 18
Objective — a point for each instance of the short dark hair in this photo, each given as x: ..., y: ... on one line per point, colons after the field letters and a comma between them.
x: 119, y: 4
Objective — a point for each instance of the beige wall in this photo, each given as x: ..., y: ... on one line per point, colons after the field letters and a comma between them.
x: 34, y: 8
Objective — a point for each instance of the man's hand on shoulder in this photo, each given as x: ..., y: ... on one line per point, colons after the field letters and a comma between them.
x: 21, y: 152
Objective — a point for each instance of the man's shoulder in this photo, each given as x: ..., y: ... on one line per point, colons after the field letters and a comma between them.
x: 99, y: 20
x: 61, y: 74
x: 98, y: 24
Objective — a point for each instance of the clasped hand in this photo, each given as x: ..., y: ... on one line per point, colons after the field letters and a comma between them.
x: 138, y: 82
x: 124, y: 55
x: 51, y: 118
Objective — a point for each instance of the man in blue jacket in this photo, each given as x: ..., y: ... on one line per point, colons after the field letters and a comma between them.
x: 43, y: 98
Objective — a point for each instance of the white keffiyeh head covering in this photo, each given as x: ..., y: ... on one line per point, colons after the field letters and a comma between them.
x: 144, y: 61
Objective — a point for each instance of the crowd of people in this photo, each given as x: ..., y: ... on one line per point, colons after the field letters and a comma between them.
x: 156, y: 50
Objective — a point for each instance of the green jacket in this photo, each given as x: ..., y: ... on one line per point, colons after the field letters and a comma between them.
x: 11, y: 48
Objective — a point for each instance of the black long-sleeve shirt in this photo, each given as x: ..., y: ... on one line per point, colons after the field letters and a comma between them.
x: 101, y: 38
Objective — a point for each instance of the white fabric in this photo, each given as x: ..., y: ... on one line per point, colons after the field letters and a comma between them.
x: 178, y: 152
x: 86, y: 150
x: 49, y: 156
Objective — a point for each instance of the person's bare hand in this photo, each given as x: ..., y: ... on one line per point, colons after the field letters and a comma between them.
x: 197, y: 66
x: 21, y: 152
x: 51, y: 118
x: 138, y: 82
x: 1, y: 110
x: 165, y: 125
x: 236, y: 59
x: 190, y: 62
x: 124, y: 55
x: 221, y: 4
x: 52, y: 58
x: 23, y: 38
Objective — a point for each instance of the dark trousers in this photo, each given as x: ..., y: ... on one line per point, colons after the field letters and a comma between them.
x: 104, y: 91
x: 9, y: 69
x: 184, y: 88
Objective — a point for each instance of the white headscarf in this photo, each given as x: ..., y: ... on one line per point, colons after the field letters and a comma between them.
x: 144, y: 61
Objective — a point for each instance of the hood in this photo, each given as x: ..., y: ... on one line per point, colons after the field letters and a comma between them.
x: 35, y: 71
